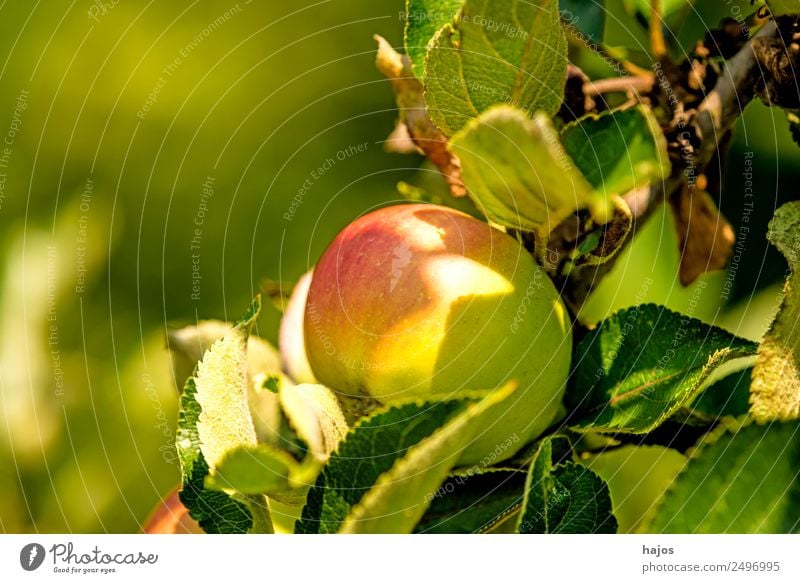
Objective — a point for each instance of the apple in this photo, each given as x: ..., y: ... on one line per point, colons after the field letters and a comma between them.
x: 171, y: 517
x: 420, y: 301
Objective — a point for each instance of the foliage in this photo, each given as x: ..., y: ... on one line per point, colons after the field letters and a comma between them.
x: 479, y: 92
x: 642, y: 365
x: 564, y: 497
x: 740, y: 480
x: 484, y: 90
x: 521, y: 43
x: 775, y: 392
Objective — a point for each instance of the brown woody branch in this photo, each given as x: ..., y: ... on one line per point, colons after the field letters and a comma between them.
x: 744, y: 77
x: 638, y: 84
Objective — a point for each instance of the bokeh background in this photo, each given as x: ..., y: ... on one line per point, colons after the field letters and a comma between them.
x: 149, y: 155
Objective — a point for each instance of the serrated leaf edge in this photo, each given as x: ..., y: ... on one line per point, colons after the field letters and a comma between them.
x: 718, y: 358
x: 357, y: 512
x: 727, y: 426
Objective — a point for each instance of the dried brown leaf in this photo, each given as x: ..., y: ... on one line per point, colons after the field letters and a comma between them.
x: 413, y: 113
x: 705, y: 237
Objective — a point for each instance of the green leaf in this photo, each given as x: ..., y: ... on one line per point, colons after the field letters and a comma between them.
x: 222, y: 389
x: 385, y: 444
x: 618, y: 151
x: 369, y: 450
x: 284, y: 464
x: 519, y: 175
x: 423, y: 19
x: 400, y: 497
x: 564, y: 498
x: 315, y: 415
x: 216, y: 512
x: 642, y: 365
x: 497, y: 51
x: 636, y: 477
x: 728, y: 397
x: 473, y: 503
x: 775, y: 391
x: 741, y: 481
x: 187, y: 346
x: 253, y: 469
x: 588, y: 16
x: 271, y: 383
x: 783, y: 232
x: 268, y: 417
x: 783, y: 7
x: 217, y: 395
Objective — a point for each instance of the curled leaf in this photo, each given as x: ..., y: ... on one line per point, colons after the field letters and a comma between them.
x: 292, y: 339
x: 775, y: 389
x: 518, y: 173
x: 400, y: 496
x: 315, y: 414
x: 705, y: 237
x: 187, y: 346
x: 214, y: 419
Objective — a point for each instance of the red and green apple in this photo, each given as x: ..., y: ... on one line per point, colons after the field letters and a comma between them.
x: 425, y: 302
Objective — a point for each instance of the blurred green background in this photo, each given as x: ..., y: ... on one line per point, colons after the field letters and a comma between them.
x: 150, y: 154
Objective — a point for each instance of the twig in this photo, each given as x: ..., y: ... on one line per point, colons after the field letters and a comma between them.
x: 657, y: 43
x: 637, y: 85
x: 735, y: 89
x: 713, y: 121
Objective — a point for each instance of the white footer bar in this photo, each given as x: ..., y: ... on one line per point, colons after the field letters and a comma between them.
x: 406, y: 559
